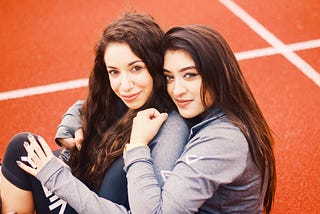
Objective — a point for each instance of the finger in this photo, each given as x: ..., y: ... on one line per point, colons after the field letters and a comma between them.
x: 35, y: 146
x: 79, y: 134
x: 67, y: 142
x: 161, y: 118
x: 78, y: 145
x: 79, y: 138
x: 26, y: 168
x: 154, y: 113
x: 164, y: 116
x: 149, y: 113
x: 32, y: 157
x: 45, y: 146
x: 28, y: 159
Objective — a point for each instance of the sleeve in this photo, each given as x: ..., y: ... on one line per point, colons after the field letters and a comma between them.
x: 207, y: 162
x: 71, y: 122
x: 58, y: 179
x: 168, y: 145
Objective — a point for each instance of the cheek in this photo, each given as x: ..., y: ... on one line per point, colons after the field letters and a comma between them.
x: 170, y: 89
x: 114, y: 83
x: 149, y: 88
x: 147, y: 82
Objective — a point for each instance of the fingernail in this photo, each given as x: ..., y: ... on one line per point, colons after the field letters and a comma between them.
x: 18, y: 163
x: 30, y: 136
x: 26, y: 144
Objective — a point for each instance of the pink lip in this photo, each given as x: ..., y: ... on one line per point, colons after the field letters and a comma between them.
x: 183, y: 103
x: 130, y: 98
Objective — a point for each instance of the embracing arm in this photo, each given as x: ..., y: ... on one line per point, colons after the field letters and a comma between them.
x: 207, y: 162
x: 168, y: 145
x: 59, y: 180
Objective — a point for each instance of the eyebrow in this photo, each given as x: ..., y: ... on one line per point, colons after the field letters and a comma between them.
x: 183, y: 69
x: 131, y: 63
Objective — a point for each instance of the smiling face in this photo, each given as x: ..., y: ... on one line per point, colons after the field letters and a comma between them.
x: 129, y: 77
x: 184, y: 83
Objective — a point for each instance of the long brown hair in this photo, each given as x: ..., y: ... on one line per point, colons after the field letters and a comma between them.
x: 223, y: 79
x: 106, y: 120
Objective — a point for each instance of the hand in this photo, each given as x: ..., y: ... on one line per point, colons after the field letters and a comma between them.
x: 69, y: 143
x: 37, y: 157
x: 146, y: 125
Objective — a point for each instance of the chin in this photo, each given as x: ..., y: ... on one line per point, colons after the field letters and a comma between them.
x: 134, y: 106
x: 186, y: 115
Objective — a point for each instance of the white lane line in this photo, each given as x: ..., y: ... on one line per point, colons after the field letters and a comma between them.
x: 43, y: 89
x: 84, y: 82
x: 271, y: 51
x: 305, y: 45
x: 273, y: 41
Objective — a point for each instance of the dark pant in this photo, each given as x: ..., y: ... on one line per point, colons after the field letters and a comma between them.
x: 113, y: 186
x: 45, y: 202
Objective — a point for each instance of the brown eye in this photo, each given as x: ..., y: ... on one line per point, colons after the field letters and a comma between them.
x: 190, y: 75
x: 137, y: 68
x: 112, y: 72
x: 168, y: 78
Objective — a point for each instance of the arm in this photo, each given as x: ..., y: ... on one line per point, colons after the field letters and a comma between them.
x: 58, y: 179
x: 69, y: 131
x: 168, y: 145
x: 208, y: 161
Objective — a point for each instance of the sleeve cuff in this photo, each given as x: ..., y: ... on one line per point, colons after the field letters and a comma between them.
x: 50, y: 169
x: 138, y: 154
x: 62, y: 132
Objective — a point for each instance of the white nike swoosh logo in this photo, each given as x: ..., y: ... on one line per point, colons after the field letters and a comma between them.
x: 193, y: 158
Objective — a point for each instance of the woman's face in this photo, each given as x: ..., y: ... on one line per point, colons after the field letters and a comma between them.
x: 184, y: 83
x: 128, y: 74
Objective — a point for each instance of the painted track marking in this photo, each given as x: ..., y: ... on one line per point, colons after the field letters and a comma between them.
x: 276, y: 43
x: 73, y: 84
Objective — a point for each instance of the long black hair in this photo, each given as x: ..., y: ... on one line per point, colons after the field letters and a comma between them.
x: 106, y: 120
x: 223, y: 79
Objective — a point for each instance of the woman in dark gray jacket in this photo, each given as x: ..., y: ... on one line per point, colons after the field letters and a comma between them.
x: 228, y: 163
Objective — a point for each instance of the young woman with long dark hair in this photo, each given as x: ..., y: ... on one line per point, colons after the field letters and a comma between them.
x: 228, y: 164
x: 126, y: 78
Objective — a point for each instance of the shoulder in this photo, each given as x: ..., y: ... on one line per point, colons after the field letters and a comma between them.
x: 175, y: 122
x: 175, y: 116
x: 174, y: 129
x: 220, y: 136
x: 219, y: 144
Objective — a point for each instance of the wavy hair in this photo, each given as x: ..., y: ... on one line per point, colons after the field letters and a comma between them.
x: 223, y: 79
x: 107, y: 121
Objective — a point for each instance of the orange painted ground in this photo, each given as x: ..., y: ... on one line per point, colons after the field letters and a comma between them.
x: 43, y: 42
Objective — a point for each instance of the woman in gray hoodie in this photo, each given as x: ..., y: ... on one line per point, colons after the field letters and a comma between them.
x: 228, y: 164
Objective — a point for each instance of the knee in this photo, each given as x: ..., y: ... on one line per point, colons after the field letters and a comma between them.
x: 17, y: 141
x: 15, y: 148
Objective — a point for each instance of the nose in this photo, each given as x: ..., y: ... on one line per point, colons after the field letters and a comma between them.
x: 178, y: 88
x: 126, y: 83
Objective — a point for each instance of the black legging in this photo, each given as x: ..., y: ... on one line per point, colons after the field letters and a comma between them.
x: 113, y: 187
